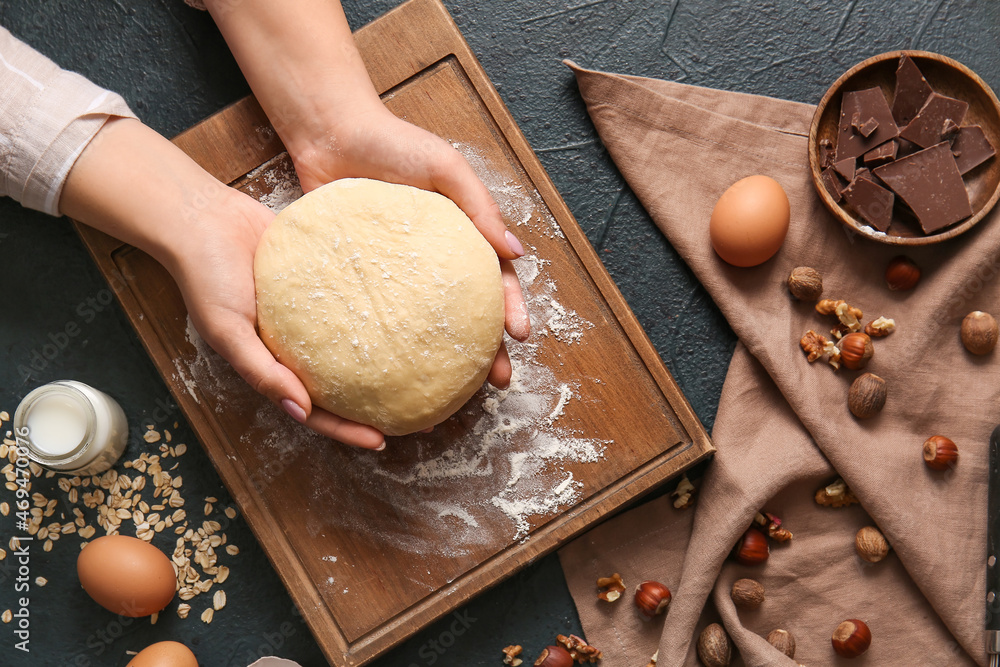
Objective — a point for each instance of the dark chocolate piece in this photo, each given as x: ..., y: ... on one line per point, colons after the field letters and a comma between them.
x: 949, y: 128
x: 826, y: 153
x: 905, y: 147
x: 912, y: 90
x: 928, y: 126
x: 864, y: 104
x: 971, y: 148
x: 931, y: 185
x: 832, y: 183
x: 866, y: 128
x: 845, y: 168
x: 871, y: 201
x: 881, y: 154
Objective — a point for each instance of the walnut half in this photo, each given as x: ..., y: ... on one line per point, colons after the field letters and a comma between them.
x: 611, y: 588
x: 510, y: 655
x: 881, y: 327
x: 578, y: 649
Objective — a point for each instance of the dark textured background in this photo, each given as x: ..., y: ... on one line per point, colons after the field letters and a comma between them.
x: 173, y: 68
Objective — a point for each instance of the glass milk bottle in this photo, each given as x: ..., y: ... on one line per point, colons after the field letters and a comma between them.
x: 70, y: 427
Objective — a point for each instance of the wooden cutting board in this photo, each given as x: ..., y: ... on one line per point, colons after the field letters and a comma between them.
x: 375, y: 546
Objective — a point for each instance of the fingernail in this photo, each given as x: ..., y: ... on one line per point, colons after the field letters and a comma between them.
x: 514, y: 245
x: 294, y: 409
x: 380, y: 447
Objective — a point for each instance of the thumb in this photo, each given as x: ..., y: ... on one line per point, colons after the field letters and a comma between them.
x: 240, y: 345
x: 455, y: 179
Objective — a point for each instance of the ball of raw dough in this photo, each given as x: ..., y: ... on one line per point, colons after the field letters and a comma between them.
x: 384, y: 299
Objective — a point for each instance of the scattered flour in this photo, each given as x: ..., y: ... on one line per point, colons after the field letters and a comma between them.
x: 516, y: 204
x: 503, y: 459
x: 274, y: 183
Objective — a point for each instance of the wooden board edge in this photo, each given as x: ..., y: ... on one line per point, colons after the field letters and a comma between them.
x: 541, y: 542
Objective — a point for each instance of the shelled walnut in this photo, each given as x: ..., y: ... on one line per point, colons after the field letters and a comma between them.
x: 510, y: 655
x: 836, y: 494
x: 848, y: 315
x: 611, y: 588
x: 772, y: 524
x: 817, y: 347
x: 880, y: 327
x: 579, y: 649
x: 684, y: 493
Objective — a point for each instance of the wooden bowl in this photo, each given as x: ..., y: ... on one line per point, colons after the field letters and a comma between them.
x: 945, y: 76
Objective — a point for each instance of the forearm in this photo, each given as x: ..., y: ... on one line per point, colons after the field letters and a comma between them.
x: 301, y: 61
x: 132, y: 183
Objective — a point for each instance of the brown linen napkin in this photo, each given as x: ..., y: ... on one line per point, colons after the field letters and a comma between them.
x: 783, y: 429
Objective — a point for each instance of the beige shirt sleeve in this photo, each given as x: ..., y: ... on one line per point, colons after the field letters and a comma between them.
x: 47, y: 117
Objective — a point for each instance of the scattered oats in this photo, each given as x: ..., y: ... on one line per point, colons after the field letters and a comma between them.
x: 206, y: 616
x: 7, y: 616
x: 219, y: 599
x: 47, y: 545
x: 230, y: 512
x: 4, y: 416
x: 160, y: 525
x: 183, y: 609
x: 35, y: 469
x: 208, y: 508
x: 180, y: 450
x: 11, y: 486
x: 74, y: 495
x: 186, y: 593
x: 154, y: 618
x: 3, y: 554
x: 177, y: 482
x: 123, y: 514
x: 151, y: 436
x: 232, y: 549
x: 86, y: 532
x: 4, y: 509
x: 41, y: 581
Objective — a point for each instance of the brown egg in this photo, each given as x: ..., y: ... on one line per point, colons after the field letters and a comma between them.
x: 750, y: 221
x: 164, y: 654
x: 126, y: 575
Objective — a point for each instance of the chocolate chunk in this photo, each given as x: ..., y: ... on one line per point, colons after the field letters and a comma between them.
x: 905, y: 147
x: 832, y: 183
x: 971, y: 148
x: 871, y: 201
x: 845, y: 168
x: 871, y: 106
x: 931, y: 185
x: 866, y: 128
x: 949, y: 128
x: 912, y: 90
x: 881, y: 154
x: 826, y: 153
x: 928, y: 126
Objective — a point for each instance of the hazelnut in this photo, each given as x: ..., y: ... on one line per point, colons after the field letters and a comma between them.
x: 866, y: 398
x: 747, y: 594
x: 805, y: 283
x: 752, y: 549
x: 902, y: 274
x: 714, y: 647
x: 855, y: 350
x: 940, y: 453
x: 783, y: 641
x: 979, y: 332
x: 652, y: 597
x: 851, y: 638
x: 554, y: 656
x: 871, y: 544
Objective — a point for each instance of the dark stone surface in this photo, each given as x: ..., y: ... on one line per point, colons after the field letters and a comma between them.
x: 172, y: 66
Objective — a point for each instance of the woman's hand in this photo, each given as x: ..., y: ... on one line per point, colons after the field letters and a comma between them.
x: 133, y: 184
x: 301, y: 61
x: 376, y: 144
